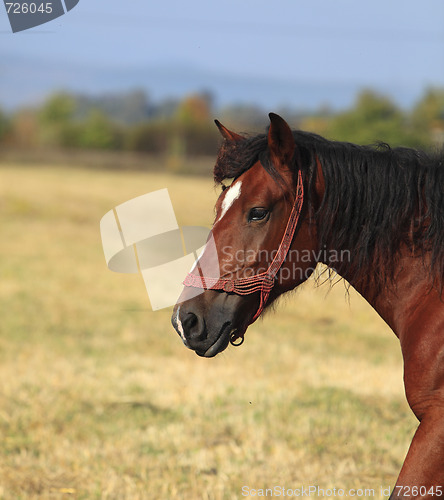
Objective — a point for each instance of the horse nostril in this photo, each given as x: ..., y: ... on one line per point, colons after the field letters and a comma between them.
x: 193, y: 327
x: 191, y: 321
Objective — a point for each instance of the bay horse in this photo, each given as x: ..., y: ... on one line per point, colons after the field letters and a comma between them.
x: 374, y: 214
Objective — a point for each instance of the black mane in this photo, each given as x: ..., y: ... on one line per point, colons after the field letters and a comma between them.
x: 376, y: 198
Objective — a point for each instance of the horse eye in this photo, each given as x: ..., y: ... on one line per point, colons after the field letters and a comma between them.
x: 257, y: 214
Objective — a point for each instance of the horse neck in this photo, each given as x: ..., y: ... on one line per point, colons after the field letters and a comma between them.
x: 399, y: 293
x: 399, y: 296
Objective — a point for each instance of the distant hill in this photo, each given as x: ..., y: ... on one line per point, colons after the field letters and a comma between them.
x: 26, y: 81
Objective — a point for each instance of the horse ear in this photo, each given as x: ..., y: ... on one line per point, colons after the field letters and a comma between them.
x: 227, y: 134
x: 280, y: 141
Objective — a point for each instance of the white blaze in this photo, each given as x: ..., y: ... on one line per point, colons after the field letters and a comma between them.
x: 231, y: 196
x: 179, y: 325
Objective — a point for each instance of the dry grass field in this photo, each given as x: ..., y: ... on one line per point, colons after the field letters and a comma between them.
x: 99, y: 399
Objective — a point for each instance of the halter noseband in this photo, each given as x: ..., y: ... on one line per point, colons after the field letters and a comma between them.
x: 262, y: 282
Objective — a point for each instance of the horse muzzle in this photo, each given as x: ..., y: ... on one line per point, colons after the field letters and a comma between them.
x: 208, y: 330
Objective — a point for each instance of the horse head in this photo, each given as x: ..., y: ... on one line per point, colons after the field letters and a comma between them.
x: 261, y: 245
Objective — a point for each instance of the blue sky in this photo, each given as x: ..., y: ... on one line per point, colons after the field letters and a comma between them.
x: 383, y: 43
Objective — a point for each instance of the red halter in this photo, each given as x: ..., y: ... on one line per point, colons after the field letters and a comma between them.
x: 262, y: 282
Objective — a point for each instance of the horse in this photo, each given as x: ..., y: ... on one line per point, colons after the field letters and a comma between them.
x: 373, y: 214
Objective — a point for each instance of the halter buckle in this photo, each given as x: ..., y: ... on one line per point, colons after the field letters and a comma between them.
x: 229, y: 286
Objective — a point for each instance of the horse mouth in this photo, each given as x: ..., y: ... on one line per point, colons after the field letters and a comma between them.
x: 220, y: 344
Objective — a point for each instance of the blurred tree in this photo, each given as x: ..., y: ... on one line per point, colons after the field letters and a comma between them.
x: 317, y: 123
x: 4, y: 126
x: 24, y: 129
x: 59, y: 108
x: 244, y: 117
x: 201, y: 140
x: 184, y: 128
x: 124, y: 108
x: 195, y: 109
x: 149, y: 137
x: 166, y: 109
x: 98, y: 132
x: 56, y: 119
x: 374, y: 118
x: 428, y: 117
x: 193, y: 132
x: 131, y: 107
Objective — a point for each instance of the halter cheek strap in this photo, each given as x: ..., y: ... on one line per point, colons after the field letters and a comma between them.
x: 263, y: 282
